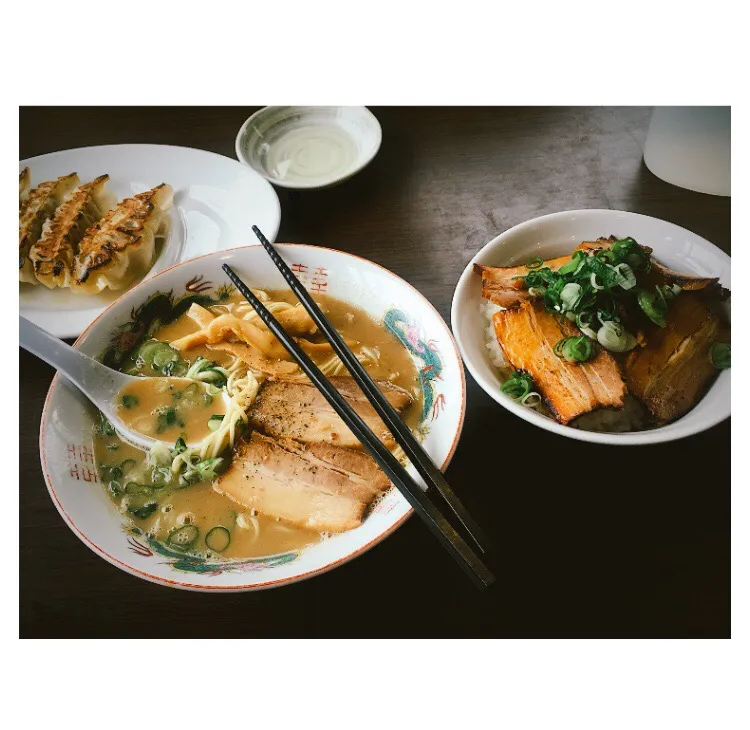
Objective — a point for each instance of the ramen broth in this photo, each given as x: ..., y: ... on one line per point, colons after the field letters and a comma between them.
x: 167, y: 408
x: 133, y: 481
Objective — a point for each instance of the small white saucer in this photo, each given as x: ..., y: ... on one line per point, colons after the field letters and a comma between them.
x: 308, y: 146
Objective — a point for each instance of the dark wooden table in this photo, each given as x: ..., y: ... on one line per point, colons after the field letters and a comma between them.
x: 591, y: 541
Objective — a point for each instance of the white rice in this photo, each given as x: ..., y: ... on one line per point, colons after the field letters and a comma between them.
x: 631, y: 417
x: 497, y: 356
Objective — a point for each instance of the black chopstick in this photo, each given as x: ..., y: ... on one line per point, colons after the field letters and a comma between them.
x: 401, y: 432
x: 422, y: 505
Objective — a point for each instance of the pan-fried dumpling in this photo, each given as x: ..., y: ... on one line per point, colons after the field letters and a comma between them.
x: 24, y: 181
x: 52, y: 255
x: 121, y: 245
x: 40, y: 204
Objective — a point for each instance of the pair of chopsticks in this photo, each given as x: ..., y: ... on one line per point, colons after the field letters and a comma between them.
x: 418, y: 499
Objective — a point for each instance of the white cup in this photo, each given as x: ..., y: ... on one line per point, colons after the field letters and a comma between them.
x: 690, y: 147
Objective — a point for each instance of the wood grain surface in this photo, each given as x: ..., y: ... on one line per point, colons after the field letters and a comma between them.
x: 590, y: 541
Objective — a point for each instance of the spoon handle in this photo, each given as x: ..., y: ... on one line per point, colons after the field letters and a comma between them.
x: 83, y: 371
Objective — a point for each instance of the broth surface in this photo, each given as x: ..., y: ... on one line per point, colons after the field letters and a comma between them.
x: 169, y: 408
x: 157, y: 500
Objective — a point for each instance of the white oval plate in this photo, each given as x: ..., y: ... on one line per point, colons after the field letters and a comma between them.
x: 65, y: 442
x: 557, y: 234
x: 216, y: 201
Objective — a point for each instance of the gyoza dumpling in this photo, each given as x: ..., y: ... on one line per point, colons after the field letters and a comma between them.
x: 40, y: 204
x: 24, y: 180
x: 121, y: 245
x: 52, y: 255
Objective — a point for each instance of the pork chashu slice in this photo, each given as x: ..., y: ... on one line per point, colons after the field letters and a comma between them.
x: 528, y: 335
x: 317, y: 486
x: 296, y: 409
x: 673, y: 371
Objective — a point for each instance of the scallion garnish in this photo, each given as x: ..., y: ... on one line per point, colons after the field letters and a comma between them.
x: 720, y: 355
x: 166, y: 418
x: 574, y: 349
x: 654, y: 306
x: 128, y: 401
x: 214, y: 422
x: 592, y: 288
x: 614, y: 337
x: 518, y: 385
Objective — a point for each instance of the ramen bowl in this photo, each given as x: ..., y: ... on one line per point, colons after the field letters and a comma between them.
x: 66, y: 435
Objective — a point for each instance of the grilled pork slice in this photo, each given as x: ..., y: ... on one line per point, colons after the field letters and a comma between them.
x: 121, y: 245
x: 38, y: 206
x: 673, y: 371
x: 52, y: 255
x: 603, y: 243
x: 528, y: 335
x: 318, y: 486
x: 501, y: 285
x: 296, y: 409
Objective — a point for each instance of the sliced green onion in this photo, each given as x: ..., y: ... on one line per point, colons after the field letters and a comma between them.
x: 625, y: 276
x: 183, y: 537
x: 203, y: 471
x: 583, y: 322
x: 104, y: 427
x: 166, y: 418
x: 160, y: 476
x: 192, y: 390
x: 614, y: 337
x: 591, y: 334
x: 535, y: 263
x: 574, y: 349
x: 577, y: 260
x: 518, y: 385
x: 164, y: 355
x: 129, y: 401
x: 214, y: 422
x: 531, y: 400
x: 536, y: 291
x: 720, y: 355
x: 209, y: 372
x: 145, y: 511
x: 570, y: 295
x: 218, y: 539
x: 135, y: 489
x: 653, y: 307
x: 594, y: 283
x: 635, y: 261
x: 147, y: 351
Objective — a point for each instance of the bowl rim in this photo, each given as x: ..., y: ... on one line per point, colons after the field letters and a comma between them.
x: 362, y: 162
x: 671, y: 432
x: 280, y: 581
